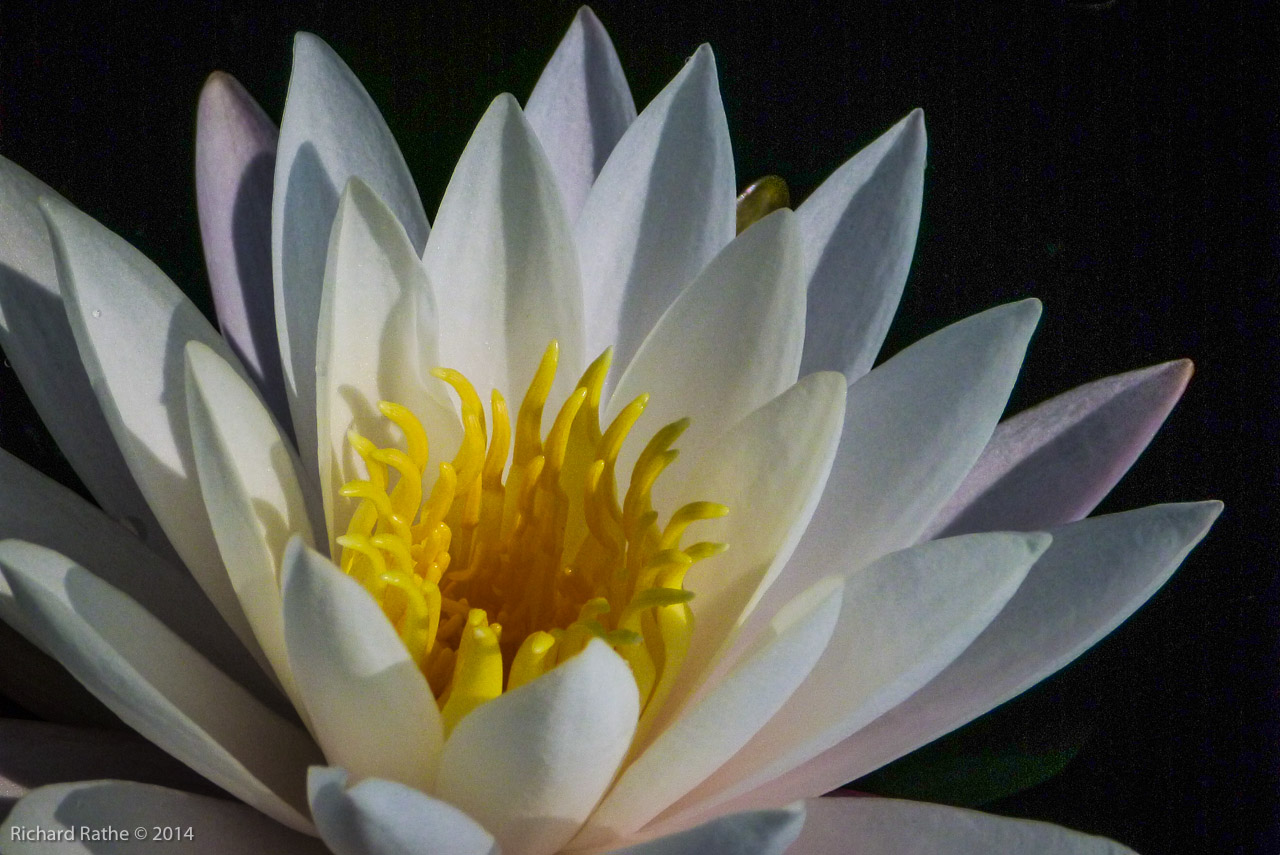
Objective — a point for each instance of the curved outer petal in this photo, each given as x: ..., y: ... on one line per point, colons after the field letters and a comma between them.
x: 35, y: 508
x: 1096, y: 573
x: 580, y: 107
x: 377, y: 335
x: 765, y: 832
x: 37, y: 341
x: 905, y: 618
x: 131, y: 325
x: 771, y: 468
x: 160, y: 685
x: 378, y: 817
x: 531, y: 764
x: 330, y: 131
x: 369, y: 706
x: 661, y: 208
x: 1053, y: 463
x: 728, y: 344
x: 913, y: 428
x: 502, y: 260
x: 892, y: 827
x: 726, y: 718
x: 235, y: 165
x: 859, y: 229
x: 217, y: 826
x: 37, y: 753
x: 249, y: 479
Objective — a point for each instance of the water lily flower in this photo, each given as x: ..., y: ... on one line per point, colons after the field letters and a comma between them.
x: 426, y: 479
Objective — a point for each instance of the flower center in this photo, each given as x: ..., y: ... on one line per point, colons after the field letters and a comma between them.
x: 492, y: 581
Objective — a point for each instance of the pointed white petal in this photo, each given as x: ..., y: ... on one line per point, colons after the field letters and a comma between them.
x: 131, y: 324
x: 235, y: 164
x: 905, y: 618
x: 502, y: 260
x: 715, y: 728
x: 369, y: 706
x: 531, y: 764
x: 1096, y: 573
x: 912, y: 430
x: 764, y: 832
x: 35, y: 508
x: 859, y: 229
x: 378, y: 817
x: 1053, y: 463
x: 769, y: 470
x: 580, y: 108
x: 892, y: 827
x: 37, y: 753
x: 377, y: 338
x: 662, y: 207
x: 38, y: 343
x: 249, y: 479
x: 728, y: 344
x: 160, y: 685
x: 216, y: 825
x: 330, y: 131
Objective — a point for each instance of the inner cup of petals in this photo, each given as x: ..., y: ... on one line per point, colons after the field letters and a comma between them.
x: 503, y: 572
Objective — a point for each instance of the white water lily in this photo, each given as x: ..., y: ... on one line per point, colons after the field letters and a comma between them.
x: 898, y: 563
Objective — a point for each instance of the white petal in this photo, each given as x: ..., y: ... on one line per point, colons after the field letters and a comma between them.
x: 580, y: 107
x: 330, y: 131
x: 531, y: 764
x: 131, y: 325
x: 160, y: 685
x: 377, y: 337
x: 765, y: 832
x: 369, y: 706
x: 502, y: 260
x: 378, y: 817
x: 1096, y: 573
x: 769, y: 470
x: 859, y: 229
x: 661, y: 208
x: 714, y: 729
x: 235, y: 164
x: 904, y: 619
x: 216, y: 826
x: 913, y: 428
x: 249, y: 479
x: 38, y: 343
x: 728, y: 344
x: 35, y: 508
x: 892, y: 827
x: 1053, y: 463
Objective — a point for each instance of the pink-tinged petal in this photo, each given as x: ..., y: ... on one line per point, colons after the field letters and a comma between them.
x: 196, y: 825
x: 35, y: 508
x: 37, y: 753
x: 661, y: 208
x: 331, y: 130
x: 892, y: 827
x: 1096, y: 573
x: 1053, y: 463
x: 859, y: 230
x: 764, y: 832
x: 38, y: 343
x: 377, y: 817
x: 580, y: 107
x: 235, y: 168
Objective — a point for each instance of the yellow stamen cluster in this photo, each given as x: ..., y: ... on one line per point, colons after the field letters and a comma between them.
x: 491, y: 582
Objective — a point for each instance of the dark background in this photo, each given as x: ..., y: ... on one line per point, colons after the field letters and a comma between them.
x: 1117, y: 160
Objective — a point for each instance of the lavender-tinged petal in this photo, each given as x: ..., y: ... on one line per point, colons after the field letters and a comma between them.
x: 235, y: 168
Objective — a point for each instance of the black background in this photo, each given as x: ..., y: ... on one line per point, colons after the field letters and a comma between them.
x: 1117, y: 160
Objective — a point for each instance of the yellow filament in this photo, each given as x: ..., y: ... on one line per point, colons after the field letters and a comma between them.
x: 521, y: 553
